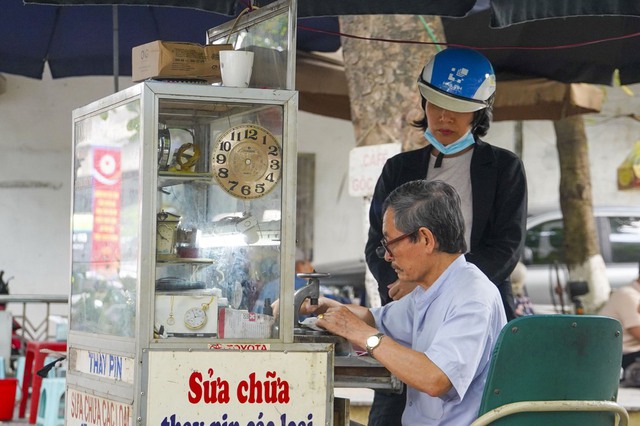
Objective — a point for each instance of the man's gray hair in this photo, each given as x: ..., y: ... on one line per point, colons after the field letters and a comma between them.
x: 434, y: 205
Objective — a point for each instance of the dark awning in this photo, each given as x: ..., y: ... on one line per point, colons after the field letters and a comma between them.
x: 510, y: 12
x: 505, y: 12
x: 306, y: 8
x: 587, y: 49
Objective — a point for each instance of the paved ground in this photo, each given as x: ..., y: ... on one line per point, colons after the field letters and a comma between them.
x: 629, y: 398
x: 361, y: 400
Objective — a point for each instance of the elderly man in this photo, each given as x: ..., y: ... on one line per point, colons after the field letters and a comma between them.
x: 439, y: 338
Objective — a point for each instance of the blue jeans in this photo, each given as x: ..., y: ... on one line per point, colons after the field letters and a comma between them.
x: 387, y: 408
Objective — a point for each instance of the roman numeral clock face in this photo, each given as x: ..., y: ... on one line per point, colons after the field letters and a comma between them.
x: 247, y: 161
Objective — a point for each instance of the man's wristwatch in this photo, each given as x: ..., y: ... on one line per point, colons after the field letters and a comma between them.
x: 373, y: 342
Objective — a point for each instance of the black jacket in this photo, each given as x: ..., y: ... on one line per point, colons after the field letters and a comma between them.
x: 499, y: 188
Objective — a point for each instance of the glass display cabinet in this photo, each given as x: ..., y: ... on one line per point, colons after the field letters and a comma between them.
x: 183, y: 225
x: 268, y: 33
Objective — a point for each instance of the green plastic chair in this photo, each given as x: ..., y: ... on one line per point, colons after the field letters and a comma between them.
x: 555, y: 370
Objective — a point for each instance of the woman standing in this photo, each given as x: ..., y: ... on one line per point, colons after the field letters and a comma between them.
x: 457, y: 88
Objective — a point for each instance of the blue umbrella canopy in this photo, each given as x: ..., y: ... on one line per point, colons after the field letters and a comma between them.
x: 79, y: 41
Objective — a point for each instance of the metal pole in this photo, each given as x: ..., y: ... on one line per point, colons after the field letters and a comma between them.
x: 116, y: 49
x: 519, y: 138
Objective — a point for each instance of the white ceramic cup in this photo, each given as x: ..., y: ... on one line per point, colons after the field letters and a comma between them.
x: 236, y: 67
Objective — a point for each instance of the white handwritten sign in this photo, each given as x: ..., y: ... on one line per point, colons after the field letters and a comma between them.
x: 269, y: 388
x: 365, y: 165
x: 83, y: 409
x: 101, y: 364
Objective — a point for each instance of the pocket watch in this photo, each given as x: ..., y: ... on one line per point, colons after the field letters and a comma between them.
x: 247, y: 161
x: 196, y: 317
x: 170, y: 319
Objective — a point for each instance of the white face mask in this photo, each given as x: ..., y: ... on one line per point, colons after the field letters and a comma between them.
x: 464, y: 142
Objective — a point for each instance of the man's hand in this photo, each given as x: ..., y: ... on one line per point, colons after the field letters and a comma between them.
x: 324, y: 303
x: 307, y: 308
x: 340, y: 320
x: 399, y: 289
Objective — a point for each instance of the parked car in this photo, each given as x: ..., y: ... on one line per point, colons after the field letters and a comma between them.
x: 618, y: 231
x: 618, y: 236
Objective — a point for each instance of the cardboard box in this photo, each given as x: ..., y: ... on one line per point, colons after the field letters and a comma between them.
x: 170, y: 60
x: 242, y: 324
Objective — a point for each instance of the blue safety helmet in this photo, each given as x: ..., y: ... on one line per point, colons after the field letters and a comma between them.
x: 460, y: 80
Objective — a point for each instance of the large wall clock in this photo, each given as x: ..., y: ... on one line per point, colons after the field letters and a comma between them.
x: 247, y: 161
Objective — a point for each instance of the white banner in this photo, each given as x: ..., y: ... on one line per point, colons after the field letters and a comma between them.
x: 267, y: 388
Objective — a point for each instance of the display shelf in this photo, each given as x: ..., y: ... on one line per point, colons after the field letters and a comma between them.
x: 179, y: 178
x: 190, y: 292
x: 184, y: 260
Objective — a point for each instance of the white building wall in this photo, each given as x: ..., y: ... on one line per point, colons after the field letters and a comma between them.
x: 35, y: 179
x: 611, y: 135
x: 338, y: 216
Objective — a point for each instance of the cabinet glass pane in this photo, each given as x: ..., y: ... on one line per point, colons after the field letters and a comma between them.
x: 266, y: 33
x: 106, y: 210
x: 218, y: 218
x: 545, y: 242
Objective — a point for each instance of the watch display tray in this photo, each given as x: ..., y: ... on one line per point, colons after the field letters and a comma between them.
x: 178, y: 284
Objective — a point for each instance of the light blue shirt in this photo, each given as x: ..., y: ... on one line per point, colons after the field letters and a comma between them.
x: 455, y: 322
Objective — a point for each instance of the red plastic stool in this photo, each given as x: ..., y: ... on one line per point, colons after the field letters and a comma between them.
x: 34, y: 361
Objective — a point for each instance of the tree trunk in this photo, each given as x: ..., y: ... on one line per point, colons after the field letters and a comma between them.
x: 382, y: 76
x: 382, y: 86
x: 581, y: 250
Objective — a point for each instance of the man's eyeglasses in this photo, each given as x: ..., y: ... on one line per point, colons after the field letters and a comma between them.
x: 384, y: 244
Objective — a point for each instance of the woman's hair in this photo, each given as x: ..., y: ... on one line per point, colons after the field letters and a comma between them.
x: 479, y: 125
x: 434, y: 205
